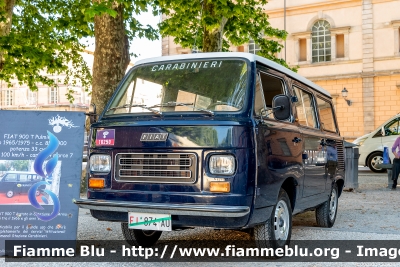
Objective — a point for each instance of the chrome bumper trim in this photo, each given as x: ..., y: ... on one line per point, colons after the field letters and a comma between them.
x: 173, y: 209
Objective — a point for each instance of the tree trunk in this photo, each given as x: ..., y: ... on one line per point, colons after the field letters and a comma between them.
x: 212, y: 40
x: 111, y: 56
x: 5, y: 28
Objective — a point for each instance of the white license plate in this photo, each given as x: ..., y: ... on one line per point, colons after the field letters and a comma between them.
x: 149, y: 221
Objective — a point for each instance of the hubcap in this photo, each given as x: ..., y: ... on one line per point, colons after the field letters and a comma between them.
x: 376, y: 160
x: 10, y: 193
x: 333, y: 205
x: 281, y: 221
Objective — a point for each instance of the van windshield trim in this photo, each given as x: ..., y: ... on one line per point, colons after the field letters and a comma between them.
x: 226, y: 86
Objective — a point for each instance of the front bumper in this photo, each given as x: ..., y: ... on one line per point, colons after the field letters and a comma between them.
x: 173, y: 209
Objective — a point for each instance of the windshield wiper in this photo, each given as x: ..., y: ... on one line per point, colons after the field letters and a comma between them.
x: 190, y: 105
x: 135, y: 106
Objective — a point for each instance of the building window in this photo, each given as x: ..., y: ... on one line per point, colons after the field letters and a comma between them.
x: 339, y: 45
x: 321, y: 41
x: 253, y: 47
x: 32, y: 96
x: 53, y: 95
x: 8, y: 97
x: 302, y: 49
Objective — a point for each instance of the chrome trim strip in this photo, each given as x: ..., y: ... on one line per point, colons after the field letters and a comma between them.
x: 188, y: 162
x: 163, y: 208
x: 158, y: 177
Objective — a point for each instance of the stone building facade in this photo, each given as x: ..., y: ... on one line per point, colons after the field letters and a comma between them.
x: 45, y: 98
x: 352, y: 44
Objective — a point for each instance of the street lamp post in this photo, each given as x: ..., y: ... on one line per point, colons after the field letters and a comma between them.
x: 284, y: 21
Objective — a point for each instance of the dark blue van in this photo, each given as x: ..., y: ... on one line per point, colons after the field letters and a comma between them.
x: 221, y: 140
x: 18, y: 182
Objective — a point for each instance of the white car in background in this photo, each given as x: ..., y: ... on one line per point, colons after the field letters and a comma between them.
x: 371, y: 145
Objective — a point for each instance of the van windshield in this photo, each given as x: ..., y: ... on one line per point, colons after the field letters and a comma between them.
x: 206, y: 86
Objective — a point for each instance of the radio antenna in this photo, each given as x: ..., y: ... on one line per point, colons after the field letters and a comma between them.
x: 194, y: 49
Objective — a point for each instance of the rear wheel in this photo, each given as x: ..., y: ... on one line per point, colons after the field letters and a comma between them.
x: 276, y: 231
x: 374, y: 159
x: 137, y: 237
x: 326, y: 213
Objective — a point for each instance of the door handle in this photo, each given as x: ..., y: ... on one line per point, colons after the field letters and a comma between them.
x: 296, y: 140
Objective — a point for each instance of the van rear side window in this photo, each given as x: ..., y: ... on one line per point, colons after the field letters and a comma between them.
x: 305, y: 108
x: 326, y: 115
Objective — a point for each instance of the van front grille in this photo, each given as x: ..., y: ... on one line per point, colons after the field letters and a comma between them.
x: 156, y: 167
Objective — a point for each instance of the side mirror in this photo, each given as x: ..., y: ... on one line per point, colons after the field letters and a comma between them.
x: 281, y: 107
x: 383, y: 131
x: 92, y: 113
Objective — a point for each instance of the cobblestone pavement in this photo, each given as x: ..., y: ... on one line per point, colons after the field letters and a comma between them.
x: 370, y: 212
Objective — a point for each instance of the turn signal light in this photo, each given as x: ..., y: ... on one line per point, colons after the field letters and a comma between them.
x: 96, y: 183
x: 220, y: 187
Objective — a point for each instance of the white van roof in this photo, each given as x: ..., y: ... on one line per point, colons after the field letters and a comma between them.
x: 250, y: 57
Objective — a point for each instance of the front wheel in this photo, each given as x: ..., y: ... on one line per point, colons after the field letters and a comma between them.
x: 373, y: 160
x: 326, y: 213
x: 276, y: 231
x: 137, y: 237
x: 10, y: 193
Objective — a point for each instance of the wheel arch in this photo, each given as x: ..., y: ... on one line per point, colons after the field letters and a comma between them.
x: 369, y: 155
x: 289, y: 185
x: 340, y: 185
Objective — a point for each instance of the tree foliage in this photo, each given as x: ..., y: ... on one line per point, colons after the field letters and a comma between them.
x: 40, y: 39
x: 44, y: 41
x: 212, y: 25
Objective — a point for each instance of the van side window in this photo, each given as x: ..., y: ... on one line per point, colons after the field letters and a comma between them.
x: 267, y: 87
x: 23, y: 178
x: 259, y: 99
x: 326, y: 115
x: 11, y: 177
x: 305, y: 108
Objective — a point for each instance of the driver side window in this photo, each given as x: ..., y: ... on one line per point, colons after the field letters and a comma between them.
x: 392, y: 128
x: 267, y: 87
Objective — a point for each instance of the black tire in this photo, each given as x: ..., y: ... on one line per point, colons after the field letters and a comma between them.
x: 373, y: 159
x: 277, y: 230
x: 326, y: 213
x: 10, y: 193
x: 137, y: 237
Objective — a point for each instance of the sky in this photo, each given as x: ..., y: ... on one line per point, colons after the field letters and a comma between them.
x: 142, y: 47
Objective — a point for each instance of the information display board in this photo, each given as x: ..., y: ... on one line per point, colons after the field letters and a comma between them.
x: 40, y: 169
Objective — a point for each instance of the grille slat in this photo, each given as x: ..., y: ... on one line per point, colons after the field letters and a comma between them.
x: 157, y: 168
x: 340, y: 151
x: 154, y: 162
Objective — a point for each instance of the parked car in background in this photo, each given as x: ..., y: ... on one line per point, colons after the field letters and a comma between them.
x: 17, y: 182
x: 371, y: 145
